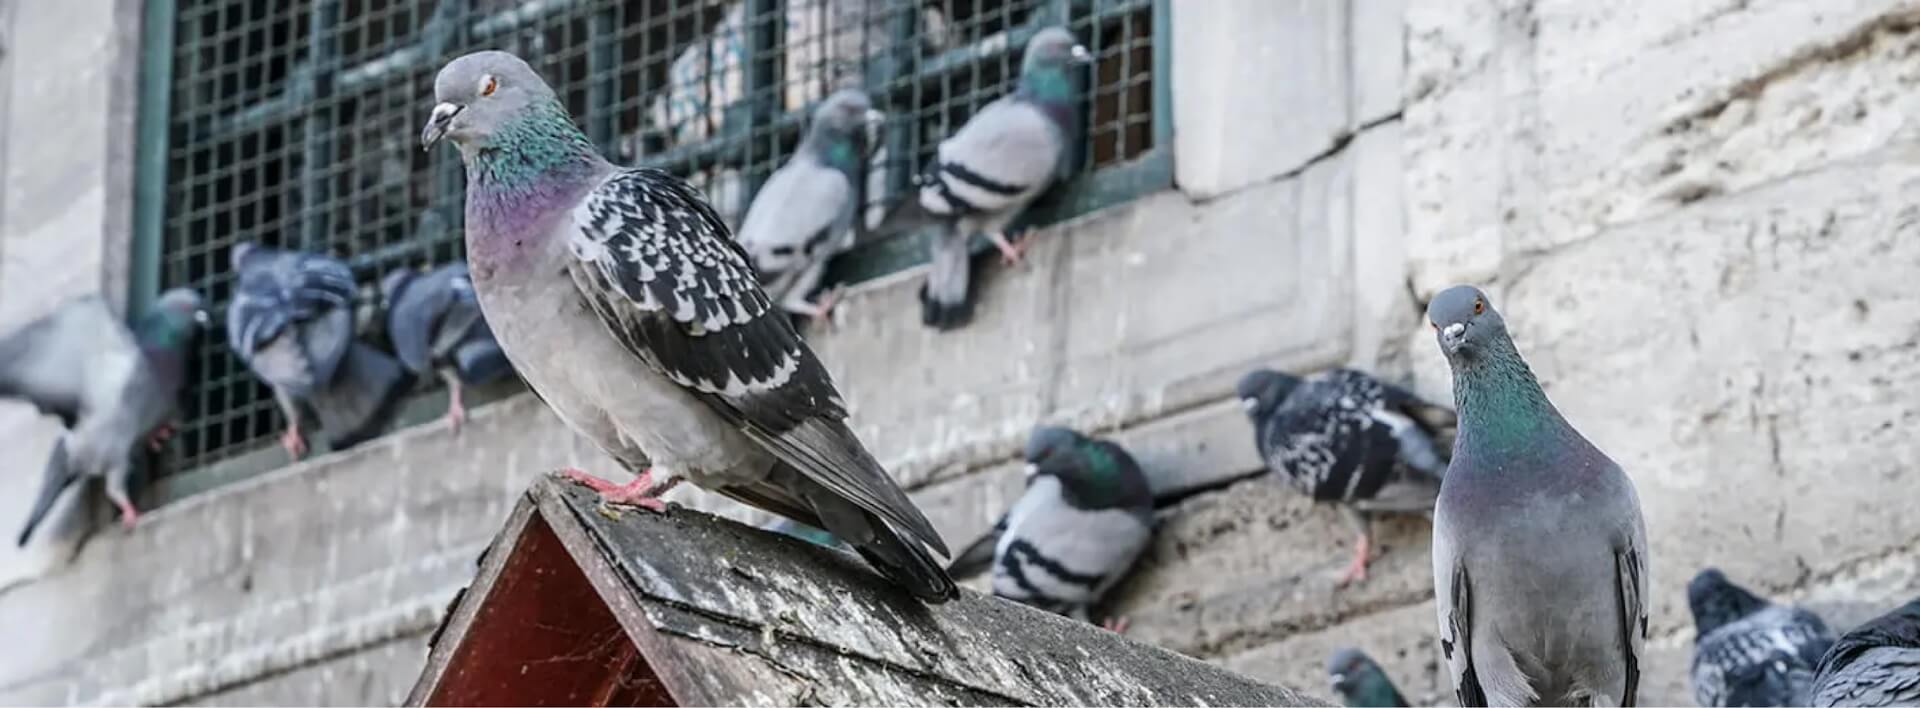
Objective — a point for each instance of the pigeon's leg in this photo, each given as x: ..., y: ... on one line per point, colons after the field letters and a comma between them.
x: 640, y: 492
x: 1010, y: 252
x: 1362, y: 546
x: 819, y: 311
x: 157, y: 439
x: 117, y: 491
x: 1116, y: 624
x: 456, y: 413
x: 291, y: 440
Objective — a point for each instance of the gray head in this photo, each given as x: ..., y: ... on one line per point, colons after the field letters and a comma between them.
x: 1053, y: 48
x: 846, y: 112
x: 478, y: 93
x: 1046, y: 440
x: 1465, y: 322
x: 1360, y: 681
x: 182, y: 306
x: 239, y: 252
x: 1261, y: 391
x: 1716, y: 601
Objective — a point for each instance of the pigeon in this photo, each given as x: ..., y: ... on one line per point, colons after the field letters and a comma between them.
x: 1876, y: 664
x: 291, y: 321
x: 109, y: 386
x: 1086, y: 516
x: 803, y: 215
x: 624, y: 302
x: 1360, y: 682
x: 986, y: 174
x: 1748, y: 651
x: 1344, y: 437
x: 1539, y: 548
x: 433, y: 321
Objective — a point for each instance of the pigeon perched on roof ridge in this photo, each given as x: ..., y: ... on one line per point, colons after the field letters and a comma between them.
x: 1749, y: 651
x: 110, y: 386
x: 625, y: 304
x: 1343, y: 437
x: 434, y: 324
x: 987, y: 173
x: 1875, y: 664
x: 1360, y: 681
x: 1085, y: 517
x: 803, y: 216
x: 1539, y: 548
x: 291, y: 322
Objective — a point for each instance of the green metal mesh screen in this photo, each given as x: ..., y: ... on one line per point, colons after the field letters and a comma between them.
x: 295, y: 123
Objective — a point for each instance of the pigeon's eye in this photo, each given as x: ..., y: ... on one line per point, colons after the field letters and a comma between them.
x: 487, y: 85
x: 1479, y: 305
x: 1434, y: 325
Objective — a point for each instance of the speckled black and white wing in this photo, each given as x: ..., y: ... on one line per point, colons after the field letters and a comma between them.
x: 657, y: 265
x: 1764, y: 659
x: 1325, y: 438
x: 1876, y: 664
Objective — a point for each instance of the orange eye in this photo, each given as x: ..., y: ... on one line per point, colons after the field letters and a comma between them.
x: 487, y: 85
x: 1478, y: 305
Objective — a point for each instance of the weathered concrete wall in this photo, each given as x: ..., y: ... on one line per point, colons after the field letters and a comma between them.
x: 1696, y: 216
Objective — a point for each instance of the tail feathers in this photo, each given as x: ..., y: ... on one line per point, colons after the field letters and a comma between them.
x: 944, y: 316
x: 57, y: 478
x: 977, y: 557
x: 360, y: 402
x: 904, y: 561
x: 946, y: 301
x: 479, y: 360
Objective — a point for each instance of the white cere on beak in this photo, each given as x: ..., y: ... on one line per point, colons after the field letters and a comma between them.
x: 1080, y: 54
x: 1453, y: 331
x: 875, y: 116
x: 1031, y: 469
x: 200, y: 317
x: 1249, y: 404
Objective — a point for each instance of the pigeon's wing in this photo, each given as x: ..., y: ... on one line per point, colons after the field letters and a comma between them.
x: 1759, y: 660
x: 1876, y: 664
x: 797, y: 222
x: 999, y: 160
x: 1453, y: 600
x: 285, y: 289
x: 977, y: 557
x: 461, y: 319
x: 1630, y: 578
x: 657, y: 265
x: 57, y: 477
x: 55, y: 362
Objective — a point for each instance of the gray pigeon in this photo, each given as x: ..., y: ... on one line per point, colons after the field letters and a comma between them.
x: 986, y: 174
x: 1539, y: 550
x: 433, y: 321
x: 1748, y: 651
x: 1343, y: 437
x: 626, y: 305
x: 110, y: 387
x: 1876, y: 664
x: 803, y: 216
x: 1085, y: 517
x: 291, y: 321
x: 1360, y: 682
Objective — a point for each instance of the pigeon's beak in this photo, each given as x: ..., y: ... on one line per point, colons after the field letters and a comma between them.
x: 875, y: 117
x: 201, y: 318
x: 1248, y: 404
x: 1336, y: 681
x: 1081, y: 55
x: 437, y: 124
x: 1031, y: 470
x: 1453, y: 335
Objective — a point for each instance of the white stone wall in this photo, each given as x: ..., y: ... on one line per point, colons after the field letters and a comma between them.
x: 1695, y: 214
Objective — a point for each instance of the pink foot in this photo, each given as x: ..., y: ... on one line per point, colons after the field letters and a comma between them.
x: 294, y: 444
x: 456, y: 415
x: 1116, y: 625
x: 1357, y: 568
x: 640, y: 492
x: 823, y: 310
x: 1011, y: 254
x: 128, y: 515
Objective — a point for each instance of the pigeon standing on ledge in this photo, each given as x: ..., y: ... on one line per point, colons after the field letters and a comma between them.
x: 109, y: 386
x: 986, y: 174
x: 1876, y: 664
x: 803, y: 216
x: 1539, y: 549
x: 291, y: 321
x: 622, y: 300
x: 1748, y: 651
x: 1086, y: 516
x: 433, y: 320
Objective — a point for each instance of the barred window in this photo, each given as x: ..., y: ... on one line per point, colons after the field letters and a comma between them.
x: 295, y: 123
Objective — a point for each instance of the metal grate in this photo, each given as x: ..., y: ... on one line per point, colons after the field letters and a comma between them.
x: 295, y: 123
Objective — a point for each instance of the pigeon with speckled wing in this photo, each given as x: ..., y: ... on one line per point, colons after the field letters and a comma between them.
x: 986, y: 174
x: 1876, y: 664
x: 111, y: 388
x: 621, y: 298
x: 1360, y: 682
x: 433, y: 321
x: 291, y: 321
x: 1348, y: 439
x: 803, y: 216
x: 1539, y: 549
x: 1748, y: 651
x: 1086, y: 516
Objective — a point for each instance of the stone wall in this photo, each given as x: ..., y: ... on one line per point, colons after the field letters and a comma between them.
x: 1694, y: 214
